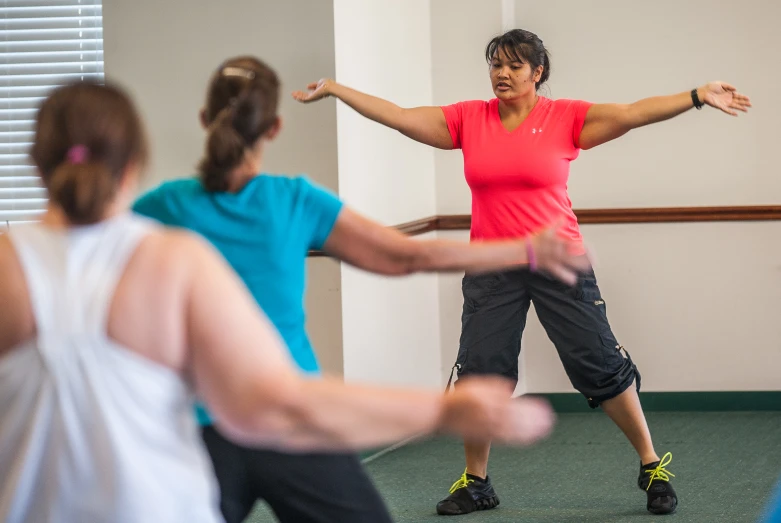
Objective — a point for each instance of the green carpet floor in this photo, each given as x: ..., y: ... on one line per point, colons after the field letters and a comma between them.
x: 725, y: 465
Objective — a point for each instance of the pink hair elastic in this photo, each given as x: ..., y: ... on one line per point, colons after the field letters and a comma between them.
x: 78, y: 154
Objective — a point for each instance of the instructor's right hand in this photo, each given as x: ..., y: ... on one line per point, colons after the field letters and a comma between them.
x: 314, y: 91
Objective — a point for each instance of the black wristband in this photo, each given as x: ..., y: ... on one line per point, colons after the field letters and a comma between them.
x: 696, y: 99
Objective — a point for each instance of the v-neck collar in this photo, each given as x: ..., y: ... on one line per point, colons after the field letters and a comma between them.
x: 498, y: 117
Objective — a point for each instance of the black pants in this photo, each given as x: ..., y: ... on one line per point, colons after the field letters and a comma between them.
x: 574, y: 317
x: 299, y: 488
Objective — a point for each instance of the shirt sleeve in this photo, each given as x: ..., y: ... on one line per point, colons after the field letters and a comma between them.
x: 149, y: 205
x: 579, y: 109
x: 454, y: 118
x: 322, y: 208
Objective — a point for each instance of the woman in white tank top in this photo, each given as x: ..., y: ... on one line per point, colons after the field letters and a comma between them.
x: 110, y: 325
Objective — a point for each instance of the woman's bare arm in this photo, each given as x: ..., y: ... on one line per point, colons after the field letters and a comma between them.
x: 247, y: 379
x: 371, y: 246
x: 425, y: 124
x: 606, y: 122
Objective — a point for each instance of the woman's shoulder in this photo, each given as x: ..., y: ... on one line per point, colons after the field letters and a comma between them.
x: 567, y: 104
x: 176, y: 186
x: 287, y: 190
x: 291, y: 183
x: 477, y: 105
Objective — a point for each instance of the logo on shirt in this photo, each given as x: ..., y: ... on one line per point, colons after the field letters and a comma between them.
x: 535, y: 131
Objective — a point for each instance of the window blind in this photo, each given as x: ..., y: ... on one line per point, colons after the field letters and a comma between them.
x: 43, y: 44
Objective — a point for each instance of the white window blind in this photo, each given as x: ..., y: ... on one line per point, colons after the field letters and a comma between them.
x: 43, y: 44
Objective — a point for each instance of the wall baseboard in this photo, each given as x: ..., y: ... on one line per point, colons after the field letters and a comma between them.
x: 709, y: 401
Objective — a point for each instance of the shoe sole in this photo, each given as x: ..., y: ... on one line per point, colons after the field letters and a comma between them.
x: 483, y: 504
x: 663, y: 512
x: 658, y: 512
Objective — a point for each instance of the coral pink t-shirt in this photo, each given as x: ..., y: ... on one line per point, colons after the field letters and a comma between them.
x: 518, y: 179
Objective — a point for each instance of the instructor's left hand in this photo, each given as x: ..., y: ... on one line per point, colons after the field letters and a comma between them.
x: 725, y: 97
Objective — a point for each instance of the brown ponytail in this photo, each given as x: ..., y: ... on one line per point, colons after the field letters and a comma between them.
x: 82, y: 191
x: 86, y: 137
x: 224, y: 152
x: 241, y: 107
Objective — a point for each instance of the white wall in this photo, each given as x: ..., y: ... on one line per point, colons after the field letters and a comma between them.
x: 618, y: 51
x: 163, y: 52
x: 698, y: 314
x: 460, y: 30
x: 390, y: 327
x: 696, y: 305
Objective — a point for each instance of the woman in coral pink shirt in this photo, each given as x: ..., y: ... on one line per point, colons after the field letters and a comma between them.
x: 517, y: 150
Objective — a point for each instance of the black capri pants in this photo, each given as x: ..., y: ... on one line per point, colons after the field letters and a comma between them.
x: 574, y: 317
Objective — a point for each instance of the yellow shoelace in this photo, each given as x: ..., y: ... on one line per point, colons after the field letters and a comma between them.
x: 660, y: 472
x: 461, y: 483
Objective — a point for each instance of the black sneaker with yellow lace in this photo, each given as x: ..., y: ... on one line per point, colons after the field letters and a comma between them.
x: 468, y: 494
x: 655, y: 480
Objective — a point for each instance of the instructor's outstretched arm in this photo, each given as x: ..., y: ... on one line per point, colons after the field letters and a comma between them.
x: 606, y: 122
x: 426, y: 124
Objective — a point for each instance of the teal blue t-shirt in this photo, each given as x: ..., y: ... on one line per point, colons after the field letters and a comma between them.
x: 264, y: 232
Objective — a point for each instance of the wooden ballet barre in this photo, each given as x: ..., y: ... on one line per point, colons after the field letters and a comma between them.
x: 748, y: 213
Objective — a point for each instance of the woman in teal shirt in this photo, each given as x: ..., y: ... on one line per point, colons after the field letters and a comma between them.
x: 264, y: 225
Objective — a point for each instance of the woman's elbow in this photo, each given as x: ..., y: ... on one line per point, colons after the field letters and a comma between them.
x: 630, y: 117
x: 400, y: 257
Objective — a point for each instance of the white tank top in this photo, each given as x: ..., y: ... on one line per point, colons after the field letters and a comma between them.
x: 90, y: 431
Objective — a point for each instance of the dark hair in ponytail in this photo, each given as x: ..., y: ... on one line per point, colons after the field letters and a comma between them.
x: 522, y: 46
x: 241, y: 106
x: 82, y: 191
x: 86, y: 136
